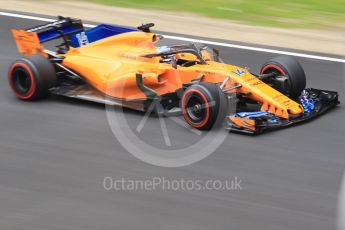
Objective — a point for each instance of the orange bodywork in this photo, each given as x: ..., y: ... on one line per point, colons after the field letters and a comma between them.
x: 28, y: 43
x: 110, y: 65
x: 244, y: 122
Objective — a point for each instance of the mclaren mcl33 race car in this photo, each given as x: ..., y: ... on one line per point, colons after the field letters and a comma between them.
x: 123, y: 66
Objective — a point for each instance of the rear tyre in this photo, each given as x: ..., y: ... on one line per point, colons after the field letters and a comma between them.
x: 204, y: 105
x: 31, y: 77
x: 288, y: 66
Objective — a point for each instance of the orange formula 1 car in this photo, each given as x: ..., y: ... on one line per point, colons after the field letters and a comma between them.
x: 122, y: 66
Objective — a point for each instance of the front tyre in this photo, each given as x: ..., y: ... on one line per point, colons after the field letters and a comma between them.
x: 31, y: 77
x: 204, y: 105
x: 289, y: 67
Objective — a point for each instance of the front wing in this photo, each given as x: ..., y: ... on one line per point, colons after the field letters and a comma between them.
x: 315, y: 102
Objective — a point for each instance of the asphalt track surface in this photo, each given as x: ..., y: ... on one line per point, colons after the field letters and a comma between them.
x: 54, y: 155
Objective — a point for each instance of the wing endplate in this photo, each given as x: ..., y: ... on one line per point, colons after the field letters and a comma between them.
x: 28, y: 43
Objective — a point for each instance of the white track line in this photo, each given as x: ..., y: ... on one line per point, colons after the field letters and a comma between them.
x: 201, y: 41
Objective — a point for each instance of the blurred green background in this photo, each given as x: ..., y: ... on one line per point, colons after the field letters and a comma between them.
x: 277, y: 13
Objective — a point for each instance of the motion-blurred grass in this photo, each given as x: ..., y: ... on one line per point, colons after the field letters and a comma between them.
x: 278, y: 13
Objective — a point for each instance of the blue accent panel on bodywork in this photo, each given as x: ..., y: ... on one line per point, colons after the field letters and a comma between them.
x: 100, y: 32
x: 307, y: 102
x: 252, y: 114
x: 54, y: 33
x: 266, y: 115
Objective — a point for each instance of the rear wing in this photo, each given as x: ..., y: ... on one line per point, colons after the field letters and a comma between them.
x: 29, y: 41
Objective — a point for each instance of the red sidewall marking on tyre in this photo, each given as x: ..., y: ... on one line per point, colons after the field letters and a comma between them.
x: 272, y: 66
x: 184, y: 112
x: 32, y: 89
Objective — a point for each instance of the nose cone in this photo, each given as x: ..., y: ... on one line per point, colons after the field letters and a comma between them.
x: 296, y: 110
